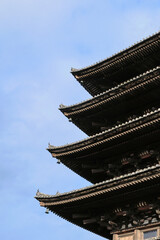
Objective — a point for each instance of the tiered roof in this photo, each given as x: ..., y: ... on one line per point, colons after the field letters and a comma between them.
x: 103, y: 110
x: 121, y: 156
x: 99, y: 150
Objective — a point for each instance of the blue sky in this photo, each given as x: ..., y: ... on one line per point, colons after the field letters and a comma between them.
x: 40, y: 40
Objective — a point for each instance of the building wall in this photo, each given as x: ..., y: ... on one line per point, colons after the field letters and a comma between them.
x: 150, y: 233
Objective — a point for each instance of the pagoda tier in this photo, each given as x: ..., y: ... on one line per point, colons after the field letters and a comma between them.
x: 119, y: 205
x: 122, y: 66
x: 116, y: 105
x: 114, y: 151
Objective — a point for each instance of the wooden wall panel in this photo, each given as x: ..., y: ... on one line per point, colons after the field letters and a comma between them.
x: 128, y: 237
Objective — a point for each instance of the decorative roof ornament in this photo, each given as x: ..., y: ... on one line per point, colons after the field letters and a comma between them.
x: 49, y: 145
x: 47, y: 211
x: 62, y: 106
x: 38, y: 194
x: 74, y: 69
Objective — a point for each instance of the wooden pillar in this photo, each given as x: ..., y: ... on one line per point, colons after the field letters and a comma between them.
x: 115, y: 236
x: 137, y: 235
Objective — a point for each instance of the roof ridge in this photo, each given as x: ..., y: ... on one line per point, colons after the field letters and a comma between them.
x: 74, y: 70
x: 62, y: 107
x: 106, y: 131
x: 42, y: 195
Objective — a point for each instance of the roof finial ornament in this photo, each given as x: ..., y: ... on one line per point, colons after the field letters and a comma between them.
x: 62, y: 106
x: 74, y: 69
x: 38, y: 192
x: 47, y: 211
x: 58, y: 161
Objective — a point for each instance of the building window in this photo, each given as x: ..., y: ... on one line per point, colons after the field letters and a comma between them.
x: 150, y: 234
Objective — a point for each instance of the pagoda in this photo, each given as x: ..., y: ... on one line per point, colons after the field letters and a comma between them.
x: 121, y: 156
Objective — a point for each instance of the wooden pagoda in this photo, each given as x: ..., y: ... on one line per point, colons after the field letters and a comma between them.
x: 121, y: 156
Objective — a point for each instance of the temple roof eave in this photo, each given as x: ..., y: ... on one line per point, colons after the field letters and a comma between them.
x: 101, y: 76
x: 112, y: 185
x: 108, y: 135
x: 91, y: 103
x: 79, y: 72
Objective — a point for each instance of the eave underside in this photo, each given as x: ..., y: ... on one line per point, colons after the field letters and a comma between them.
x: 125, y: 129
x: 105, y: 157
x: 126, y: 101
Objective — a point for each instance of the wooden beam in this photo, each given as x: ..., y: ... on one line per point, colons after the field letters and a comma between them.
x: 158, y: 211
x: 97, y: 124
x: 104, y: 128
x: 89, y: 166
x: 112, y: 223
x: 103, y: 218
x: 135, y: 222
x: 98, y: 170
x: 79, y: 215
x: 89, y: 221
x: 145, y: 208
x: 122, y: 213
x: 103, y: 224
x: 126, y: 161
x: 112, y: 172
